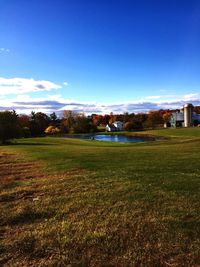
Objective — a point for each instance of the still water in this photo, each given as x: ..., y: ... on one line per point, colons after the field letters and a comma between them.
x: 113, y: 138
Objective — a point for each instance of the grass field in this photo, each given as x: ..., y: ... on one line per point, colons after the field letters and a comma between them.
x: 67, y: 202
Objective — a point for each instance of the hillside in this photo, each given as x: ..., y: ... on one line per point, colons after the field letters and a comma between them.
x: 67, y: 202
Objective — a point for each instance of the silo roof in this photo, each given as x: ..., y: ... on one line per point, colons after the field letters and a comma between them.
x: 188, y: 105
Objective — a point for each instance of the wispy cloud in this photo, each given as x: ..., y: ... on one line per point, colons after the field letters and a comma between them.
x: 190, y: 97
x: 55, y: 103
x: 24, y: 85
x: 4, y: 50
x: 153, y: 97
x: 22, y: 102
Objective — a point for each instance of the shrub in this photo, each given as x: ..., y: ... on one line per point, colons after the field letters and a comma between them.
x: 52, y: 130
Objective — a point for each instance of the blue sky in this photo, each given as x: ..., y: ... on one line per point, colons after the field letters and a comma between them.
x: 99, y: 56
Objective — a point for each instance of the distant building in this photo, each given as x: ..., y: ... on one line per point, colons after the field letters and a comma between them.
x: 115, y: 126
x: 119, y: 125
x: 110, y: 128
x: 177, y: 119
x: 185, y: 118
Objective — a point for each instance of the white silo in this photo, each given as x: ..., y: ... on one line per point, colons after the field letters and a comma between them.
x: 188, y: 109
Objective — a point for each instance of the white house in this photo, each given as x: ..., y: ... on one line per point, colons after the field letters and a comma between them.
x: 110, y: 128
x: 115, y: 126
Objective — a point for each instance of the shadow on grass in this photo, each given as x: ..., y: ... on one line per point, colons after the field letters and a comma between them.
x: 31, y: 144
x: 188, y: 225
x: 28, y: 216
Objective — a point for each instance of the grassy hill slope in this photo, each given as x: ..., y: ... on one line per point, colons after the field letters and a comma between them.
x: 68, y: 202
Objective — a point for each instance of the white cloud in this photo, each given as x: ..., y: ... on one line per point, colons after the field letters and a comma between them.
x: 22, y: 102
x: 56, y: 103
x: 65, y: 83
x: 4, y: 50
x: 24, y: 85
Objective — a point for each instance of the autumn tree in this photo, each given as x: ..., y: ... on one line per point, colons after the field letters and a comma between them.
x: 197, y: 109
x: 126, y: 117
x: 67, y: 121
x: 64, y: 126
x: 166, y: 116
x: 83, y: 124
x: 69, y: 116
x: 24, y: 122
x: 50, y: 130
x: 137, y: 121
x: 105, y: 119
x: 128, y: 126
x: 154, y: 119
x: 113, y: 118
x: 97, y: 119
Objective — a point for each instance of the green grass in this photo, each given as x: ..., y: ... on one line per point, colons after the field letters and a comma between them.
x: 176, y: 132
x: 95, y: 203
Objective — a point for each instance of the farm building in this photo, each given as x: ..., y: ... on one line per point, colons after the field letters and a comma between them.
x: 185, y: 118
x: 115, y: 126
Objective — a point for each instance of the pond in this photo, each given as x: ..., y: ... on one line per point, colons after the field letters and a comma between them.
x: 113, y: 138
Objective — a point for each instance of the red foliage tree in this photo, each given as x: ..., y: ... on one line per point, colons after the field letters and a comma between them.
x: 105, y: 119
x: 24, y: 121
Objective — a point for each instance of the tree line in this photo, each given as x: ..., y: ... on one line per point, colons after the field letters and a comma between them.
x: 134, y: 121
x: 13, y: 125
